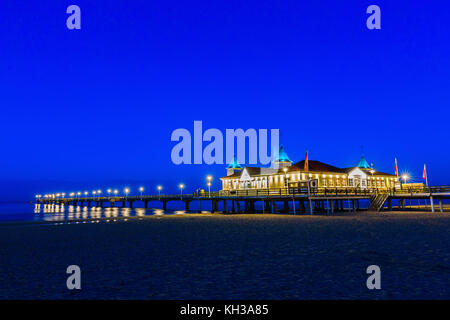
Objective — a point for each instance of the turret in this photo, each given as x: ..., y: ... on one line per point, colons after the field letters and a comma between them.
x: 282, y: 160
x: 233, y: 167
x: 363, y: 163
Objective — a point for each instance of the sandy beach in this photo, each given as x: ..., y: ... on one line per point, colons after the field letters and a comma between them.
x: 205, y: 256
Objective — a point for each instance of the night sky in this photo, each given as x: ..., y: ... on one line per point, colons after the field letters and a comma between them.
x: 95, y: 108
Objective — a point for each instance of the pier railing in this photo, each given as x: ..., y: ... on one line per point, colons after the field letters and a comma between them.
x: 262, y: 193
x: 296, y: 191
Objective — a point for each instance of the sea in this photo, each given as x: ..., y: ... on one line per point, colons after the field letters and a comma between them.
x: 29, y: 212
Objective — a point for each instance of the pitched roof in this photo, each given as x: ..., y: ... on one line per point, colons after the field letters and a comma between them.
x: 367, y: 171
x: 252, y: 171
x: 314, y: 165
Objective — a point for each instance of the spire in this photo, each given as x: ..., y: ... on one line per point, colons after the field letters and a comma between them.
x: 281, y: 159
x: 234, y: 164
x: 363, y: 163
x: 282, y: 156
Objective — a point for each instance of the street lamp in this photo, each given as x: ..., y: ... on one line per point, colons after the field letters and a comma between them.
x: 405, y: 177
x: 159, y: 191
x: 99, y: 192
x: 63, y: 194
x: 141, y: 189
x: 209, y: 189
x: 209, y: 179
x: 116, y: 192
x: 78, y: 194
x: 181, y: 186
x: 109, y: 191
x: 126, y: 191
x: 86, y: 193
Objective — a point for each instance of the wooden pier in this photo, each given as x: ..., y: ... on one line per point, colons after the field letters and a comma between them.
x: 294, y: 200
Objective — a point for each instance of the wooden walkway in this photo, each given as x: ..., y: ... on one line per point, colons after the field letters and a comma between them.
x: 301, y: 200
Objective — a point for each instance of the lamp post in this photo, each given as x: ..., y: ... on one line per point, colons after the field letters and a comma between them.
x: 78, y: 194
x: 181, y: 186
x: 99, y: 192
x: 116, y: 192
x: 209, y: 179
x: 209, y: 189
x: 141, y: 189
x: 159, y: 191
x: 109, y: 191
x: 405, y: 177
x: 126, y: 191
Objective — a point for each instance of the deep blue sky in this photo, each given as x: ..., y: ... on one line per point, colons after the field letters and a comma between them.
x: 94, y: 108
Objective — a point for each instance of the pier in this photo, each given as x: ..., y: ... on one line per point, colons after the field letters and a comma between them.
x: 296, y: 200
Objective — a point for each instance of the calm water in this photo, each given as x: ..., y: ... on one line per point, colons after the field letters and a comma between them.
x: 52, y: 213
x: 25, y: 211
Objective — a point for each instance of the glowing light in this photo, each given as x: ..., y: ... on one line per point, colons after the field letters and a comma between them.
x: 181, y: 186
x: 405, y: 177
x: 159, y: 188
x: 141, y: 189
x: 209, y: 178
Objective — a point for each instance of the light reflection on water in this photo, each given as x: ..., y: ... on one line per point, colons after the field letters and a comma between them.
x: 53, y: 212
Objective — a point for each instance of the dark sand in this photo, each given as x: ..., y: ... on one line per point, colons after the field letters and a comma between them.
x: 230, y: 257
